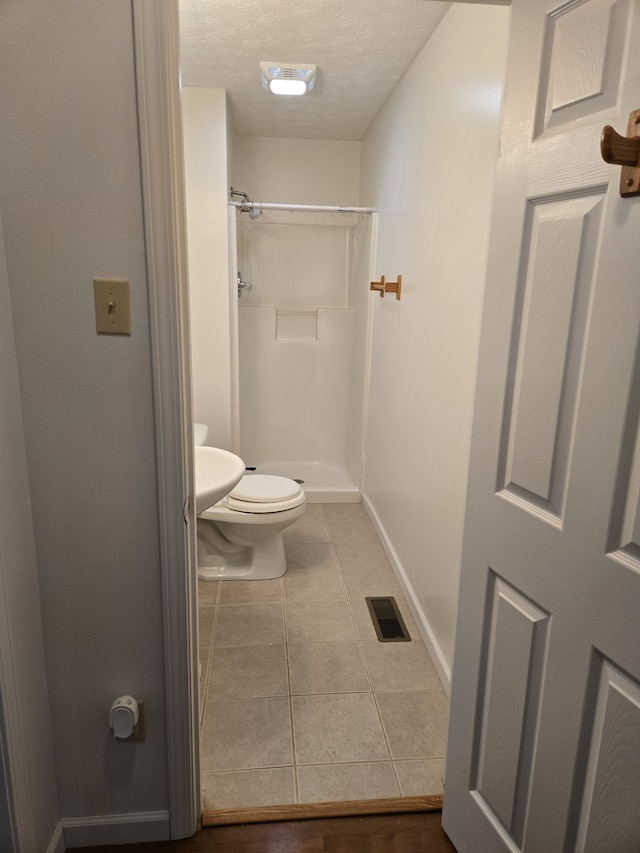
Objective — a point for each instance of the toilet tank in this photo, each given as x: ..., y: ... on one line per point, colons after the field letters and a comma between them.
x: 200, y: 433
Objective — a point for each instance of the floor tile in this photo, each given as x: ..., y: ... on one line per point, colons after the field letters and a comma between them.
x: 344, y: 512
x: 400, y: 666
x: 337, y: 728
x: 380, y: 570
x: 249, y: 624
x: 243, y: 672
x: 318, y: 620
x: 309, y: 557
x: 204, y: 653
x: 415, y: 722
x: 206, y: 620
x: 250, y: 592
x: 246, y: 734
x: 208, y: 592
x: 361, y: 583
x: 420, y: 777
x: 323, y: 583
x: 310, y: 634
x: 312, y: 511
x: 361, y: 555
x: 356, y: 530
x: 330, y: 667
x: 312, y: 528
x: 237, y: 789
x: 329, y: 782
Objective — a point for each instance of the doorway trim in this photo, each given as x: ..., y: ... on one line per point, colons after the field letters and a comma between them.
x: 156, y: 37
x: 311, y: 811
x: 157, y: 65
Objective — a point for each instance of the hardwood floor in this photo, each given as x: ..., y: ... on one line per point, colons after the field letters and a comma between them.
x: 406, y: 833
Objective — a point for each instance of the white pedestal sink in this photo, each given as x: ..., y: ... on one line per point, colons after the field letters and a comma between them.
x: 217, y: 472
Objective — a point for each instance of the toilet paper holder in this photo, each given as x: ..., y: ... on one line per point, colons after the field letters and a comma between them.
x: 383, y: 286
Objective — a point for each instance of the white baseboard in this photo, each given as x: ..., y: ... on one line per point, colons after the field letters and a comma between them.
x: 56, y: 845
x: 428, y: 637
x: 133, y: 828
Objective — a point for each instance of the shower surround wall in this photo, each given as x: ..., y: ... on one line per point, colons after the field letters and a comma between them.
x: 302, y: 331
x: 302, y: 328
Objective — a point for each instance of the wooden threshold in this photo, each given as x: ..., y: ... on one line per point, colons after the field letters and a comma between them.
x: 307, y: 811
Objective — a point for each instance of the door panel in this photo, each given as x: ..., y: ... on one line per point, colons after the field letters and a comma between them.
x: 582, y: 61
x: 624, y: 539
x: 544, y: 742
x: 554, y: 290
x: 515, y: 652
x: 607, y: 791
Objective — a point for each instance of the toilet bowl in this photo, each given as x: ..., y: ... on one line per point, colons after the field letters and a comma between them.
x: 240, y: 537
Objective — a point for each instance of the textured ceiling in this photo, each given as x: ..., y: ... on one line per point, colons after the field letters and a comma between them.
x: 362, y: 49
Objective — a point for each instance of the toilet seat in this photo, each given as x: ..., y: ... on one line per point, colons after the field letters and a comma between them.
x: 261, y: 493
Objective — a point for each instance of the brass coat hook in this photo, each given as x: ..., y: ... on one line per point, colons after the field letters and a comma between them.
x: 384, y: 286
x: 624, y: 151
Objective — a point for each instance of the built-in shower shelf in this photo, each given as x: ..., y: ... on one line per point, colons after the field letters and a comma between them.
x: 296, y: 326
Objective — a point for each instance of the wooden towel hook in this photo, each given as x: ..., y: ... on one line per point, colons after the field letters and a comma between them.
x: 394, y: 287
x: 383, y: 286
x: 379, y: 286
x: 624, y: 151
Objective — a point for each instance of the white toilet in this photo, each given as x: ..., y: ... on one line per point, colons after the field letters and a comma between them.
x: 240, y: 537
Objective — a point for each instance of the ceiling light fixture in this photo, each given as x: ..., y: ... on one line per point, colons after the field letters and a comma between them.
x: 282, y: 78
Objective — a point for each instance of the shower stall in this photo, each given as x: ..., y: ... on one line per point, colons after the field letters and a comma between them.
x: 302, y: 342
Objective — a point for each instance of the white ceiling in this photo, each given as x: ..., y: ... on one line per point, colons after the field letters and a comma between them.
x: 362, y: 49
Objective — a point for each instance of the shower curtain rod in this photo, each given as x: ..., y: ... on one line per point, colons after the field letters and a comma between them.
x: 310, y: 208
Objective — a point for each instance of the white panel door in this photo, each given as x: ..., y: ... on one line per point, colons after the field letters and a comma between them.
x: 544, y: 740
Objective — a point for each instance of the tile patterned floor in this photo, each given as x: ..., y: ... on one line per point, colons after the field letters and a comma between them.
x: 299, y: 701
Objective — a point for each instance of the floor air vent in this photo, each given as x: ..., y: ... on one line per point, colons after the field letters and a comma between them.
x: 387, y: 620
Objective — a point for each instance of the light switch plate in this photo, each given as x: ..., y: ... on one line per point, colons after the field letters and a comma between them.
x: 113, y: 315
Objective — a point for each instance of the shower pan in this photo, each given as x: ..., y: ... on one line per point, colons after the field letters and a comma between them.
x: 302, y: 342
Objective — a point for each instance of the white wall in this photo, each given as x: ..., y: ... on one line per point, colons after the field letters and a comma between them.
x: 27, y: 750
x: 70, y: 194
x: 427, y: 164
x: 206, y: 131
x: 297, y: 171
